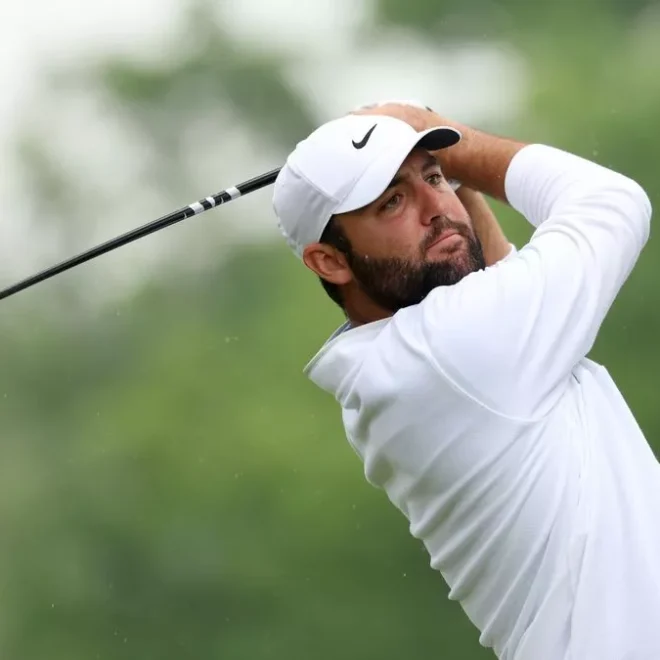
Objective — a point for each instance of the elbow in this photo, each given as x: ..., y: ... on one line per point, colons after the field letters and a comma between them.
x: 635, y: 206
x: 644, y: 211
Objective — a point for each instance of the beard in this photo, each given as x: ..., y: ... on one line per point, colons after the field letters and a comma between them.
x: 394, y: 282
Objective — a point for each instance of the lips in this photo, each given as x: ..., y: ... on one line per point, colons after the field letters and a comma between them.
x: 446, y: 234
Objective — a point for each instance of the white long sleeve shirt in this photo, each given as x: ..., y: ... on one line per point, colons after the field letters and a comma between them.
x: 515, y: 459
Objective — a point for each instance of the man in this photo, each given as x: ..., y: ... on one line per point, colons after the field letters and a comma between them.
x: 464, y: 387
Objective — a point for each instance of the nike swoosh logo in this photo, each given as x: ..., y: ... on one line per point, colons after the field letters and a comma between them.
x: 363, y: 142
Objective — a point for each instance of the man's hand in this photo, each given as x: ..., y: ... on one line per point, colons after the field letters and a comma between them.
x: 420, y: 118
x: 479, y: 160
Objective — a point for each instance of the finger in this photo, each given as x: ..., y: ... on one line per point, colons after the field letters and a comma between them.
x: 379, y: 104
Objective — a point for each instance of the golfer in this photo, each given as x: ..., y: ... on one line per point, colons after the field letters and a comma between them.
x: 463, y: 380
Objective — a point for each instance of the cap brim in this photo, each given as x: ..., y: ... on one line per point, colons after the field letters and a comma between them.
x: 439, y: 137
x: 378, y: 176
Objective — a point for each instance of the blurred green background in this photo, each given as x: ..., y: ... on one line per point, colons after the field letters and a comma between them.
x: 171, y: 485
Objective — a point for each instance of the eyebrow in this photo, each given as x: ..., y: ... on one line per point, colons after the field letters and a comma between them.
x: 429, y: 162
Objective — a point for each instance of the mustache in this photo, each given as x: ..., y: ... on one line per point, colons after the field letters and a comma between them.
x: 441, y: 224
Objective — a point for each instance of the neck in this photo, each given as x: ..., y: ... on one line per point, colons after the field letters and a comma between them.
x: 361, y: 310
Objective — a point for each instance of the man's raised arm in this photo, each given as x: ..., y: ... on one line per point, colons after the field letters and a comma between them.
x: 513, y: 334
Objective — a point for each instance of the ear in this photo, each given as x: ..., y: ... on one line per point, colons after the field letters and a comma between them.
x: 327, y: 262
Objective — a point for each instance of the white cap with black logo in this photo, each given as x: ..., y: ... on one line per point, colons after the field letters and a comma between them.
x: 343, y: 166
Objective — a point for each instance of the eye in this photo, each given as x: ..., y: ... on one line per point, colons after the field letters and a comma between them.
x: 391, y: 203
x: 435, y: 179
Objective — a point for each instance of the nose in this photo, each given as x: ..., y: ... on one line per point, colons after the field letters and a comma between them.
x: 432, y: 203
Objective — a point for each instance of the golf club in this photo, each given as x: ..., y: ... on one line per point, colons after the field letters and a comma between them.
x: 205, y: 204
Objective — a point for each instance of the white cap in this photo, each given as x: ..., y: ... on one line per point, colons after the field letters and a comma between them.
x: 342, y: 166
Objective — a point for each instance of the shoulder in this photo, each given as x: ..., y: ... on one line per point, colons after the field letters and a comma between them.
x: 484, y: 334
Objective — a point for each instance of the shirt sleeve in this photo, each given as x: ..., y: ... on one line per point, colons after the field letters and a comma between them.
x: 511, y: 334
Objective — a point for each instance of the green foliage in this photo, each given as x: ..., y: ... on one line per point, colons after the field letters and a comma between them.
x: 511, y: 19
x: 172, y: 486
x: 217, y: 72
x: 195, y: 496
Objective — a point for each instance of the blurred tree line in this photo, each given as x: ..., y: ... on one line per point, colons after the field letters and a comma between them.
x: 172, y: 486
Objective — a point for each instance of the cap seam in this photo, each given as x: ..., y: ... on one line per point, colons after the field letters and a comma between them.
x: 311, y: 183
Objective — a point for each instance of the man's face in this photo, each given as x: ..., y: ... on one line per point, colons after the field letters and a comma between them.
x: 416, y: 236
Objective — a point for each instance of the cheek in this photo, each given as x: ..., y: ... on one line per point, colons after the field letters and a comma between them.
x: 392, y: 237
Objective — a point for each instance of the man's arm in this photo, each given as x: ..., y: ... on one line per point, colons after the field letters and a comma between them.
x: 493, y: 241
x: 511, y: 335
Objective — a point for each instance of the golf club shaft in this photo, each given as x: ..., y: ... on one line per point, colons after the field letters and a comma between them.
x: 195, y: 208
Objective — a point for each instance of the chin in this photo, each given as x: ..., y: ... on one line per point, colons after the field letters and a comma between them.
x: 459, y: 260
